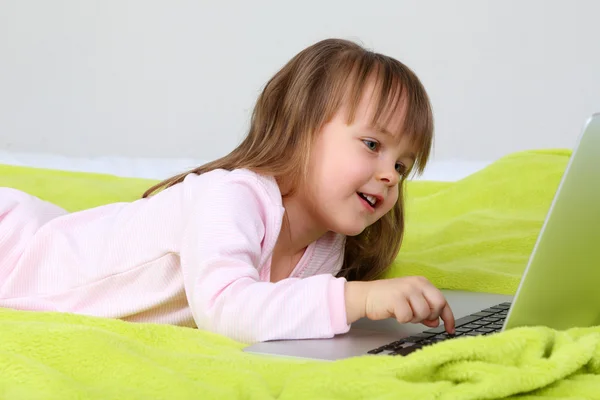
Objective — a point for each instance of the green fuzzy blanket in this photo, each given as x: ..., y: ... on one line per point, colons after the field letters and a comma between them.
x: 474, y: 234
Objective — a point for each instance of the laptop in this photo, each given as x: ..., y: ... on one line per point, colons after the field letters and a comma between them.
x: 560, y: 287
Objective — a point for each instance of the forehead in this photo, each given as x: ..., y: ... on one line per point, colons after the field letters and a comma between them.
x: 383, y: 112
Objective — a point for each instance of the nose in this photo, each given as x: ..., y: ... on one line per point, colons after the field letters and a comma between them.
x: 389, y: 176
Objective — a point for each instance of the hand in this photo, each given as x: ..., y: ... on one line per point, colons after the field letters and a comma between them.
x: 411, y: 299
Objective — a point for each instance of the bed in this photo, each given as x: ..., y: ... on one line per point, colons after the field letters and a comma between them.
x: 470, y: 226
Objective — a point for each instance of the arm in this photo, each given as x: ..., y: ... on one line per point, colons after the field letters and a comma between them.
x: 355, y: 294
x: 220, y: 254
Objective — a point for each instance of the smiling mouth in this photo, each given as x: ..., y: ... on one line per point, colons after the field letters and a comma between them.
x: 371, y: 200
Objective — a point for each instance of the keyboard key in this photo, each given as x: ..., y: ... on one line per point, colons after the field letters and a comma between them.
x: 493, y: 310
x: 412, y: 339
x: 391, y: 345
x: 491, y: 319
x: 466, y: 320
x: 437, y: 330
x: 406, y: 351
x: 398, y: 344
x: 422, y: 335
x: 403, y: 345
x: 482, y: 314
x: 376, y: 351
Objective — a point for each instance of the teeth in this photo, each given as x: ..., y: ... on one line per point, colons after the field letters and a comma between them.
x: 371, y: 199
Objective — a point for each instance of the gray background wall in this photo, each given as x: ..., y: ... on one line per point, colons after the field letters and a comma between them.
x: 178, y: 78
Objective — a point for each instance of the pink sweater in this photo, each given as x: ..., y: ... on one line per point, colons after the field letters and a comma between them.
x: 197, y: 254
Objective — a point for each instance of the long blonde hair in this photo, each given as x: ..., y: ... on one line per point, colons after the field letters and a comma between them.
x: 299, y: 100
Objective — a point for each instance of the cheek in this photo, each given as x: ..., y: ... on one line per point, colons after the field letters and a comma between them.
x: 391, y: 200
x: 332, y: 172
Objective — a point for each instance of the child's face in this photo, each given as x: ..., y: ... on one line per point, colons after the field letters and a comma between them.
x: 353, y: 166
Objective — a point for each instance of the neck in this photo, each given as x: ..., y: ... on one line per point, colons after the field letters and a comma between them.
x: 298, y: 229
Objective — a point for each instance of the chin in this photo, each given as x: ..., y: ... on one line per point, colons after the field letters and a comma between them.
x: 350, y: 230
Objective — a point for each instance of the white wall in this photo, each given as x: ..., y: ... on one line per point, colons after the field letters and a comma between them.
x: 178, y: 78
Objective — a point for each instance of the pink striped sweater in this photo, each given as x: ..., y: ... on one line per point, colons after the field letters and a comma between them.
x: 197, y: 254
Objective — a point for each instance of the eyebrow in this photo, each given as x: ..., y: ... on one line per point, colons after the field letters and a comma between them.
x: 382, y: 130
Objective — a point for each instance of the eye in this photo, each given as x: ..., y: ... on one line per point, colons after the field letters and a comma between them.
x: 401, y: 168
x: 371, y: 144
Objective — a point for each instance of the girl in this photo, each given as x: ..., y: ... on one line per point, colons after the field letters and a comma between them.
x: 283, y: 238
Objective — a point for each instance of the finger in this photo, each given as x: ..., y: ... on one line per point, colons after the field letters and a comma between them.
x: 448, y: 317
x: 403, y: 311
x: 420, y: 307
x: 436, y: 301
x: 432, y: 323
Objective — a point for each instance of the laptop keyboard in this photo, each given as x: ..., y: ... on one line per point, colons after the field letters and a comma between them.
x: 484, y: 322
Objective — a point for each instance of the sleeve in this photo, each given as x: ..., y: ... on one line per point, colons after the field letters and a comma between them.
x: 332, y: 264
x: 220, y: 255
